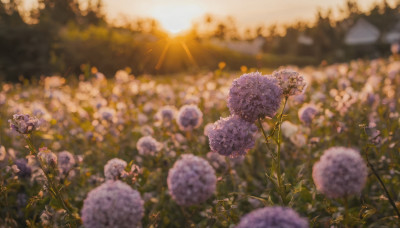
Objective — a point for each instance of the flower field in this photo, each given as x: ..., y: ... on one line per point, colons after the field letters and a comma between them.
x: 297, y: 147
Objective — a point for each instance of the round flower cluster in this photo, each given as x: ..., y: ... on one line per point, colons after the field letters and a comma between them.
x: 166, y: 114
x: 307, y: 113
x: 114, y: 168
x: 25, y: 170
x: 217, y: 161
x: 254, y: 96
x: 232, y: 136
x: 291, y: 82
x: 106, y: 113
x: 112, y: 204
x: 191, y: 180
x: 340, y: 172
x: 147, y: 145
x: 289, y: 129
x: 47, y: 156
x: 207, y: 128
x: 273, y: 217
x: 24, y: 124
x: 189, y: 117
x: 65, y: 161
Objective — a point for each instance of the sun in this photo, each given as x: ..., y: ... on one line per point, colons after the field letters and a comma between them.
x: 176, y: 18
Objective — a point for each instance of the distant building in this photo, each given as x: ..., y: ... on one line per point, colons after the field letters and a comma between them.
x: 305, y: 40
x: 246, y: 47
x: 362, y: 33
x: 393, y: 36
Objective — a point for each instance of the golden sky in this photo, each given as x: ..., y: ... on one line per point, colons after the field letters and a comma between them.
x: 175, y: 15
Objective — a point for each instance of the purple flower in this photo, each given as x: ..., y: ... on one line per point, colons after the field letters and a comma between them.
x: 232, y: 136
x: 25, y: 170
x: 219, y: 162
x: 191, y: 180
x: 113, y: 204
x: 291, y: 82
x: 189, y: 117
x: 107, y: 114
x: 340, y: 172
x: 273, y: 217
x: 166, y: 114
x: 24, y: 124
x: 47, y: 156
x: 65, y: 161
x: 114, y: 168
x: 147, y: 145
x: 307, y: 113
x: 254, y: 96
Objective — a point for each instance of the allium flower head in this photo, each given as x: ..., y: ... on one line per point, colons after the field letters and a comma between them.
x: 189, y: 117
x: 207, y: 128
x: 217, y: 161
x: 289, y: 129
x: 254, y: 96
x: 232, y: 136
x: 147, y: 145
x: 191, y: 180
x: 107, y: 113
x: 113, y: 204
x: 340, y: 172
x: 291, y: 82
x: 24, y: 124
x: 307, y: 113
x: 47, y: 156
x: 166, y: 114
x: 271, y: 217
x: 114, y: 168
x: 25, y: 170
x: 65, y: 161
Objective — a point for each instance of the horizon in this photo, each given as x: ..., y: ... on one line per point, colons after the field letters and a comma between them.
x: 183, y: 14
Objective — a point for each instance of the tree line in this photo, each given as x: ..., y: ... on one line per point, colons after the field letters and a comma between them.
x: 62, y: 37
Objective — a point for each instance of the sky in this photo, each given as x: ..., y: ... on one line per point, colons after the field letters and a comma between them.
x: 178, y: 14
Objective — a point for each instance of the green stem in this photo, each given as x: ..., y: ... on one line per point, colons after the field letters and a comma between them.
x: 346, y: 212
x: 228, y: 162
x: 265, y: 137
x: 382, y: 185
x: 54, y: 191
x: 282, y: 188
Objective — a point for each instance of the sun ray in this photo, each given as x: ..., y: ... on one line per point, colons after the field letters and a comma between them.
x: 187, y: 51
x: 162, y: 57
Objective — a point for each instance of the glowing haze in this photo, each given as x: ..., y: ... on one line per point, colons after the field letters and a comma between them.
x: 178, y: 15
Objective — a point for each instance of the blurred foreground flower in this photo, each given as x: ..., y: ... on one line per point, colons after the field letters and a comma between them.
x: 189, y: 117
x: 191, y: 180
x: 307, y: 113
x: 24, y: 124
x: 113, y: 204
x: 273, y: 217
x: 114, y: 168
x: 66, y: 161
x: 147, y: 145
x: 340, y: 172
x: 48, y: 157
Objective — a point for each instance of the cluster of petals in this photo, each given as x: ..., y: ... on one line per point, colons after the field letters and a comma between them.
x: 113, y: 204
x: 253, y: 96
x: 340, y: 172
x: 191, y: 180
x: 232, y: 136
x: 273, y: 217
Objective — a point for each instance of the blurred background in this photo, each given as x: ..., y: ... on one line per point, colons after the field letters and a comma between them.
x: 68, y: 37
